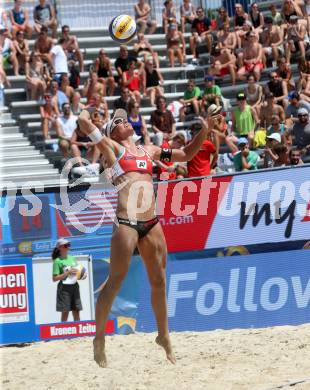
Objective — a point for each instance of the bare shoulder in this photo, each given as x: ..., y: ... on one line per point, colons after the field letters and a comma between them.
x: 153, y: 151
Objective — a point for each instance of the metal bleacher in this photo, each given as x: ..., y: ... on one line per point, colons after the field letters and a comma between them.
x: 26, y: 155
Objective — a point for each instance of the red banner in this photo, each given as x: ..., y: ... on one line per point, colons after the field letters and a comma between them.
x: 13, y: 293
x: 73, y: 329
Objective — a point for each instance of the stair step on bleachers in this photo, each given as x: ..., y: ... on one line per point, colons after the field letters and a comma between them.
x: 7, y: 142
x: 11, y: 136
x: 28, y: 170
x: 23, y: 163
x: 24, y: 158
x: 9, y: 130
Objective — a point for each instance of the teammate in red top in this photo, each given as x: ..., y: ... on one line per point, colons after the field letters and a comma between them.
x: 205, y: 159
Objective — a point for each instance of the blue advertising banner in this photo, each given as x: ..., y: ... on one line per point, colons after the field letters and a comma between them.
x: 233, y: 292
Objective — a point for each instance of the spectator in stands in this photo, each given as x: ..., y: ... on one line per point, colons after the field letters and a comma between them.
x: 122, y: 62
x: 223, y: 62
x: 49, y: 113
x: 43, y: 45
x: 65, y: 86
x: 244, y: 120
x: 3, y: 81
x: 19, y: 18
x: 294, y: 157
x: 272, y: 39
x: 99, y: 103
x: 226, y: 39
x: 270, y: 155
x: 152, y: 81
x: 59, y: 58
x: 282, y: 152
x: 162, y: 121
x: 35, y: 81
x: 300, y: 133
x: 187, y: 13
x: 276, y: 126
x: 143, y: 17
x: 103, y: 67
x: 136, y: 119
x: 278, y: 88
x: 72, y: 47
x: 92, y: 86
x: 297, y: 38
x: 175, y: 45
x: 296, y: 103
x: 22, y: 52
x: 201, y: 32
x: 254, y: 93
x: 219, y: 126
x: 290, y: 8
x: 123, y: 100
x: 240, y: 17
x: 144, y: 50
x: 82, y: 146
x: 275, y: 15
x: 211, y: 95
x: 222, y: 19
x: 256, y: 17
x: 66, y: 127
x: 252, y: 58
x: 205, y: 160
x: 59, y: 98
x: 3, y: 20
x: 270, y: 108
x: 44, y: 16
x: 169, y: 15
x: 190, y: 102
x: 285, y: 73
x: 133, y: 80
x: 244, y: 158
x: 76, y: 105
x: 8, y: 52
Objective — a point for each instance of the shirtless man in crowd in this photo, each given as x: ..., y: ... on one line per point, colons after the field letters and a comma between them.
x: 73, y: 51
x: 252, y: 58
x: 269, y: 109
x: 272, y: 39
x: 226, y: 39
x: 223, y: 63
x: 43, y: 46
x: 92, y: 86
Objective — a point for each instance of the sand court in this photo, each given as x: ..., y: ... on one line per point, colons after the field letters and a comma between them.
x: 242, y: 359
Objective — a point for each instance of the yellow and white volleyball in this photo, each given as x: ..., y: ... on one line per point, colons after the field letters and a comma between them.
x: 122, y: 28
x: 81, y: 271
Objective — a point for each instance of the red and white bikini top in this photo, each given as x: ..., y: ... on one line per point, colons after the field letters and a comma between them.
x: 129, y: 162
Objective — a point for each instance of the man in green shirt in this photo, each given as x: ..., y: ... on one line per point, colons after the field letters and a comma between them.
x: 245, y: 159
x: 212, y: 94
x: 190, y: 100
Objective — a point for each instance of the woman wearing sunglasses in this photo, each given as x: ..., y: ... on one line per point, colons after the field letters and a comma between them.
x: 68, y: 295
x: 136, y: 225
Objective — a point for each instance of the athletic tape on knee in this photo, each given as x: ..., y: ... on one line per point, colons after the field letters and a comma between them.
x: 96, y: 136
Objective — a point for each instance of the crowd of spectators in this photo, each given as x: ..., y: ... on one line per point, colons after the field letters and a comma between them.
x: 267, y: 125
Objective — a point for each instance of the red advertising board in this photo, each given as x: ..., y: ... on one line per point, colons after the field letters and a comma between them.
x: 13, y: 294
x: 74, y: 329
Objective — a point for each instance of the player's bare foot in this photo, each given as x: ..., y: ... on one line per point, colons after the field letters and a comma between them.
x: 99, y: 352
x: 165, y: 343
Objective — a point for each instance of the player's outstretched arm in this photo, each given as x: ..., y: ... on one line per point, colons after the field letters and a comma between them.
x: 185, y: 154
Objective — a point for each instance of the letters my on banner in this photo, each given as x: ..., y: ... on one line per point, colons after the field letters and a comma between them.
x: 13, y: 294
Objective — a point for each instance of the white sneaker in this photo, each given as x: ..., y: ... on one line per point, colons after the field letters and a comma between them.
x: 194, y: 61
x: 79, y: 171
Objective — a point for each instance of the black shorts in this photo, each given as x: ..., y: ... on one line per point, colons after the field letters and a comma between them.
x: 68, y: 297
